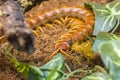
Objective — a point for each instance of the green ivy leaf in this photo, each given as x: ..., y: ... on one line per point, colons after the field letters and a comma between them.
x: 57, y: 63
x: 108, y: 45
x: 102, y: 38
x: 107, y: 17
x: 49, y: 70
x: 35, y: 73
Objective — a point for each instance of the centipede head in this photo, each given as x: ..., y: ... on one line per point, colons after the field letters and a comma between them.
x: 63, y: 45
x: 21, y: 39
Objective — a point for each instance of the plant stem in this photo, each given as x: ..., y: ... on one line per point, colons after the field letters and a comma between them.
x: 76, y: 71
x: 68, y: 68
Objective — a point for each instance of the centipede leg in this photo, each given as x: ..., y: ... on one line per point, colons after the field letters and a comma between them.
x: 35, y: 33
x: 63, y: 21
x: 40, y: 29
x: 66, y: 20
x: 1, y: 26
x: 2, y: 39
x: 49, y: 25
x: 74, y: 22
x: 58, y: 22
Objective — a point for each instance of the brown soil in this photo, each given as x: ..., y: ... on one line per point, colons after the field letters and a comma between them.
x: 44, y: 45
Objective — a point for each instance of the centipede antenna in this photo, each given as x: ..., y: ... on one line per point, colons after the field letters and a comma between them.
x: 54, y: 53
x: 63, y: 52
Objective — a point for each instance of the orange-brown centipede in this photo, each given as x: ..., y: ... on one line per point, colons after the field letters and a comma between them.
x: 77, y: 32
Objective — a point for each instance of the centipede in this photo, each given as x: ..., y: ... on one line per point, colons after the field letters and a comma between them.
x: 79, y: 20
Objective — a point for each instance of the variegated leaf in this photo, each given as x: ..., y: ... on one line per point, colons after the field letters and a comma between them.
x: 108, y: 45
x: 57, y: 63
x: 107, y: 16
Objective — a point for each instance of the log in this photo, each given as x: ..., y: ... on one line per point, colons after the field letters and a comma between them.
x: 15, y: 28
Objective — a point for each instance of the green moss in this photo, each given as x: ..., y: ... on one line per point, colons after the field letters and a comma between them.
x: 26, y: 3
x: 85, y: 49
